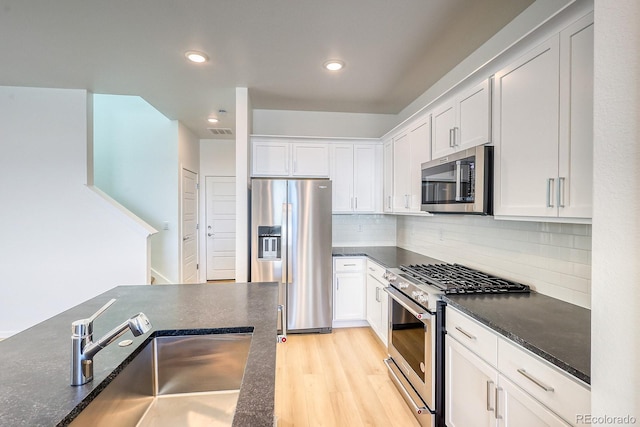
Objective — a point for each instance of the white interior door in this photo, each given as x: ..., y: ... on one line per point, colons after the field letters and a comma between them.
x: 189, y: 227
x: 221, y: 227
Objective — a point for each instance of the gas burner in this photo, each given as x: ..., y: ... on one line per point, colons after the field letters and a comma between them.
x: 458, y: 279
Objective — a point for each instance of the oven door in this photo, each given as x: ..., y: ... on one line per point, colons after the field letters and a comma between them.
x: 411, y: 346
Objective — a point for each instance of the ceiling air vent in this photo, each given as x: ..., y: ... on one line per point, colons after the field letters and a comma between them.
x: 220, y: 131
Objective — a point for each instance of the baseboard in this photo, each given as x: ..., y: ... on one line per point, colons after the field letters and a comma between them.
x: 350, y: 323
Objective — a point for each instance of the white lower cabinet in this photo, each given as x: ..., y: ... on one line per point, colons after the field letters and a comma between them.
x: 470, y: 385
x: 348, y: 292
x: 516, y: 408
x: 377, y: 301
x: 491, y: 381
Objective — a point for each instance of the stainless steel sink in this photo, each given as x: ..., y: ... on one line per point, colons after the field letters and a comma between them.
x: 187, y: 380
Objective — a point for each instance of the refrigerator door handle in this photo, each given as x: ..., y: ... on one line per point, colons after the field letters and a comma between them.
x: 287, y: 233
x: 282, y: 334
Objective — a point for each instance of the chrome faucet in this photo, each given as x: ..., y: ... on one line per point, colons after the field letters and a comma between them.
x: 83, y: 348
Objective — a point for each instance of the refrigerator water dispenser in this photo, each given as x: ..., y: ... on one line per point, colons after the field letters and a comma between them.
x: 269, y: 239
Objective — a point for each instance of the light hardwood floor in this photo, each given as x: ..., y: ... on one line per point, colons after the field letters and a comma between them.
x: 337, y: 379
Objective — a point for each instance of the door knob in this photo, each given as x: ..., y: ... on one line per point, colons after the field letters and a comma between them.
x: 210, y: 234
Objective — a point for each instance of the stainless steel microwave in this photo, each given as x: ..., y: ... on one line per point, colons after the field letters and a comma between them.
x: 459, y: 183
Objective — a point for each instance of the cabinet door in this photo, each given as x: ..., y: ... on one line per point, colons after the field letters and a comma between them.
x: 310, y: 160
x: 387, y: 171
x: 271, y: 158
x: 342, y: 178
x: 443, y: 123
x: 373, y: 304
x: 470, y: 385
x: 349, y: 297
x: 401, y: 173
x: 420, y: 152
x: 518, y: 409
x: 474, y: 117
x: 575, y: 173
x: 364, y: 178
x: 526, y: 136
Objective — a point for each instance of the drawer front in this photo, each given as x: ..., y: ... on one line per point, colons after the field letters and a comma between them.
x: 555, y: 389
x: 342, y: 264
x: 376, y: 270
x: 473, y: 335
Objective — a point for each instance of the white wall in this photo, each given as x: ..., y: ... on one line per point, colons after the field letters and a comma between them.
x: 61, y: 243
x: 322, y: 124
x: 615, y: 316
x: 136, y: 161
x: 555, y: 259
x: 217, y: 158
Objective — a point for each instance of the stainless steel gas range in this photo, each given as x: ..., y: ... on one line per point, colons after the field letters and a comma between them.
x: 416, y: 329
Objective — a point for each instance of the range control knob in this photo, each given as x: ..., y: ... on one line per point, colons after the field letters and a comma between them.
x: 403, y: 286
x: 422, y: 298
x: 415, y: 294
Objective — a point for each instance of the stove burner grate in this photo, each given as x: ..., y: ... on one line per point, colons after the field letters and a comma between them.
x: 458, y: 279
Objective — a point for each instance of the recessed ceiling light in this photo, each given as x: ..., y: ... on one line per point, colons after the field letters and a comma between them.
x: 212, y: 120
x: 195, y: 56
x: 334, y: 65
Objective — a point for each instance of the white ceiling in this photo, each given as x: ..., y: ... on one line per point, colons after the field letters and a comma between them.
x: 394, y: 50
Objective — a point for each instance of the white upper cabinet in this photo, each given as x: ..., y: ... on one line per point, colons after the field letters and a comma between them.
x: 356, y: 177
x: 462, y: 121
x: 271, y: 158
x: 543, y: 119
x: 575, y: 167
x: 411, y: 148
x: 310, y: 160
x: 290, y: 159
x: 387, y: 172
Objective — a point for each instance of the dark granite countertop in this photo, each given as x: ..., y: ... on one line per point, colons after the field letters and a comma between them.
x: 34, y: 378
x: 557, y: 331
x: 387, y: 256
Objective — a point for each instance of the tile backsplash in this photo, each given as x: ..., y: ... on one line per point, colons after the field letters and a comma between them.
x: 364, y: 230
x: 552, y: 258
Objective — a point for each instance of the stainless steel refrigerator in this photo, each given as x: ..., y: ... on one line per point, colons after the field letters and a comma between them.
x: 291, y: 245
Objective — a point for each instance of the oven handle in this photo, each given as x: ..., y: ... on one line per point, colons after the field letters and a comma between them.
x: 413, y: 308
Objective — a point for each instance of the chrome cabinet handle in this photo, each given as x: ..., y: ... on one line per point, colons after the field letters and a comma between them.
x: 465, y: 333
x: 456, y: 132
x: 490, y: 408
x: 377, y: 294
x: 356, y: 199
x: 549, y: 191
x: 534, y: 380
x: 337, y: 283
x: 561, y: 191
x: 496, y: 412
x: 451, y: 137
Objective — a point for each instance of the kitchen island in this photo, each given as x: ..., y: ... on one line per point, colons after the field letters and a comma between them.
x: 34, y: 379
